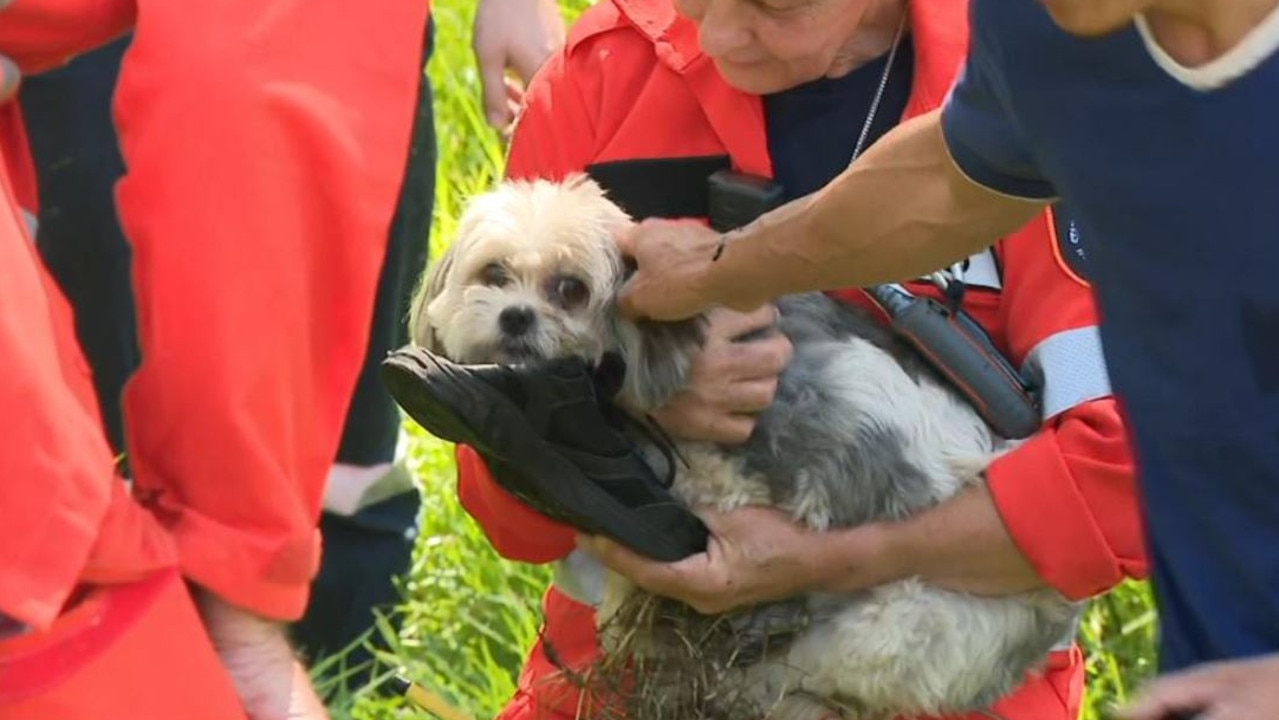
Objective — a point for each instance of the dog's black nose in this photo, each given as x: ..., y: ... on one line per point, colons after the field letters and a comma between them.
x: 516, y: 320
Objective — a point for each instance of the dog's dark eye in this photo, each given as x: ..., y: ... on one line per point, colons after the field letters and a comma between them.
x: 569, y: 292
x: 494, y: 275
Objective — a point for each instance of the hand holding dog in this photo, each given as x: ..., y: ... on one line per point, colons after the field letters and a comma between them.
x: 758, y: 555
x: 1239, y: 690
x: 755, y: 555
x: 733, y: 378
x: 671, y: 257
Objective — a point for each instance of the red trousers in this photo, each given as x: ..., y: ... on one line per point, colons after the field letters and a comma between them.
x: 135, y: 651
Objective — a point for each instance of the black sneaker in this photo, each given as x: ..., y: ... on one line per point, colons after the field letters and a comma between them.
x: 552, y: 439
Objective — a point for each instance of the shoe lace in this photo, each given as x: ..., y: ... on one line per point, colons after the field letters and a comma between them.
x: 608, y: 382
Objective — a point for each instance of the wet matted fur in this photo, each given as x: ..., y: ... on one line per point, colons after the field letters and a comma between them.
x: 860, y: 430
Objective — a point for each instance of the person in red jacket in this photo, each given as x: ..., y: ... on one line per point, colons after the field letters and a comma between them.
x: 265, y: 145
x: 649, y: 97
x: 368, y: 522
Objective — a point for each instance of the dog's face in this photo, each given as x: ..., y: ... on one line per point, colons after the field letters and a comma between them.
x: 532, y: 273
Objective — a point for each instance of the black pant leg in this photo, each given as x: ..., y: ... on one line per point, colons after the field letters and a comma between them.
x: 78, y: 161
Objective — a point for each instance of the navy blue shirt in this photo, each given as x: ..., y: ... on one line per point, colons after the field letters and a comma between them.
x: 813, y: 128
x: 1171, y: 177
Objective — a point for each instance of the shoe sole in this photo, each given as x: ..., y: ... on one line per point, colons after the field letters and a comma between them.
x: 427, y: 387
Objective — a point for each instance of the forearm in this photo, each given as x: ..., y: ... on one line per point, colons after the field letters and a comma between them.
x: 902, y: 210
x: 961, y: 545
x: 1059, y: 511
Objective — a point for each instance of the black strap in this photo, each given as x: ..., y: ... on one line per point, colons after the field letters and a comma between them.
x: 660, y: 187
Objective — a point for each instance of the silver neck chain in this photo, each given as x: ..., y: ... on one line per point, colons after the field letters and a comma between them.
x: 941, y: 278
x: 883, y: 83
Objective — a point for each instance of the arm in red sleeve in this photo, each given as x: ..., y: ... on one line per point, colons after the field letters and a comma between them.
x: 1068, y: 496
x: 552, y: 139
x: 43, y: 34
x: 516, y: 531
x: 1068, y: 499
x: 265, y: 145
x: 65, y: 517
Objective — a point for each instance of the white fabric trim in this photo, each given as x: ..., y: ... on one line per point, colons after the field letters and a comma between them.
x: 1071, y: 366
x: 581, y: 577
x: 33, y: 223
x: 1260, y: 43
x: 981, y: 270
x: 348, y: 485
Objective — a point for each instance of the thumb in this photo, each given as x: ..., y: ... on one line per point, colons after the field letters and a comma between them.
x: 626, y: 239
x: 630, y: 304
x: 492, y: 62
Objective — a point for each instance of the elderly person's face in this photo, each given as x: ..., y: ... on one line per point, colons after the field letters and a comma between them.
x: 765, y: 46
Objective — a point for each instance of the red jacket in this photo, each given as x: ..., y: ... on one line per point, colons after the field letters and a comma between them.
x: 632, y: 83
x: 265, y: 145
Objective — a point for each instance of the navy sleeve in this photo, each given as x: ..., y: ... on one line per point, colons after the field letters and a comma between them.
x: 981, y: 132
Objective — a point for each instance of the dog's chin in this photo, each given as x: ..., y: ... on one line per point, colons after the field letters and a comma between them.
x: 507, y: 351
x: 513, y: 352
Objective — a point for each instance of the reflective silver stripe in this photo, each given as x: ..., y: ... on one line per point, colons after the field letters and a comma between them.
x: 33, y: 223
x: 1072, y: 368
x: 581, y: 577
x: 351, y: 488
x: 980, y: 270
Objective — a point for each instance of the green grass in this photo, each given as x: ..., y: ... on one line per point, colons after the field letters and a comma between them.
x: 469, y: 616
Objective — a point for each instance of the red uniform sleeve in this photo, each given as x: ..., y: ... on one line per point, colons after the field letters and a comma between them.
x: 1068, y: 495
x: 552, y: 138
x: 43, y: 34
x: 265, y: 146
x: 64, y: 515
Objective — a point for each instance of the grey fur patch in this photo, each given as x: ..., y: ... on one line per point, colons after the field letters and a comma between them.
x: 804, y: 436
x: 816, y: 316
x: 658, y: 356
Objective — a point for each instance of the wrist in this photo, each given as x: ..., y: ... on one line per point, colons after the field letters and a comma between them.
x: 766, y: 258
x: 862, y: 557
x: 728, y: 279
x: 231, y: 625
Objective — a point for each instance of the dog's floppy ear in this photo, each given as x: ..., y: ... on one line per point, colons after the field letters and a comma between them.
x: 432, y: 284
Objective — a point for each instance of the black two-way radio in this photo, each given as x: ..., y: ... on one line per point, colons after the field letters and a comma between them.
x: 947, y: 337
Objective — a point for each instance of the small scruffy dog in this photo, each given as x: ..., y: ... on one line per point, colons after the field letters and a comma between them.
x: 860, y: 430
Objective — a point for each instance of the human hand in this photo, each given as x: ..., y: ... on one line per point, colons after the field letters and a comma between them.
x: 670, y: 257
x: 512, y: 34
x: 754, y: 555
x: 1236, y: 690
x: 730, y: 380
x: 271, y: 683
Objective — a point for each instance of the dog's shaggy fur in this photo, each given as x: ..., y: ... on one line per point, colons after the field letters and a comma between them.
x: 860, y: 430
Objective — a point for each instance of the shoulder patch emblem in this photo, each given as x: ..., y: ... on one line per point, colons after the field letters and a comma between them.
x: 1069, y: 247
